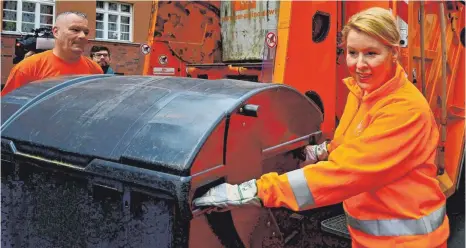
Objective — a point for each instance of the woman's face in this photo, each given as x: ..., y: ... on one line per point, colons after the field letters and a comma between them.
x: 369, y: 61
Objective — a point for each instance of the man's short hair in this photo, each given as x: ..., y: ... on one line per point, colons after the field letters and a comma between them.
x: 95, y: 49
x: 63, y: 14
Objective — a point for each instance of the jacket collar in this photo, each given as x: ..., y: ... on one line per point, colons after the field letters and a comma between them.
x: 391, y: 85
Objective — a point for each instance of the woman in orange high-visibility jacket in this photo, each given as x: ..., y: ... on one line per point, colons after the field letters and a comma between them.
x: 381, y: 162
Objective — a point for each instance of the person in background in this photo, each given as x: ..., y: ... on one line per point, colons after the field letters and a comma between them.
x: 70, y: 32
x: 101, y: 55
x: 381, y: 161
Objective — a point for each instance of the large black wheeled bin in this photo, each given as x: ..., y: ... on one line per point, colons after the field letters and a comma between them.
x: 115, y: 161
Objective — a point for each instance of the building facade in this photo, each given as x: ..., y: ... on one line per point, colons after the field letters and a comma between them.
x: 122, y: 26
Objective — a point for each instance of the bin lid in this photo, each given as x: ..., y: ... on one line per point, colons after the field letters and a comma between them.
x: 159, y: 122
x: 13, y: 102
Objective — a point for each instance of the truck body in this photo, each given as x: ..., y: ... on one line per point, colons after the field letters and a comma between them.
x: 298, y: 43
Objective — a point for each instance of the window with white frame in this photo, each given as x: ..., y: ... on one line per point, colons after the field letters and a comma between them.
x: 25, y: 15
x: 113, y: 21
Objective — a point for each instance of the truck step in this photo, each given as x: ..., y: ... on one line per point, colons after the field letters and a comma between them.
x: 336, y: 225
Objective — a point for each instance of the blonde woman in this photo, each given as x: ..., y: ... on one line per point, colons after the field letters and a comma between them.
x: 381, y: 162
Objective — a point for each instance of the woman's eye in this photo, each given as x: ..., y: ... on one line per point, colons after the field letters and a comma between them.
x: 352, y: 53
x: 371, y: 53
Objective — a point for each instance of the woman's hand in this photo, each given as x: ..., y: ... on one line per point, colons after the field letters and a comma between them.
x: 315, y: 153
x: 225, y: 196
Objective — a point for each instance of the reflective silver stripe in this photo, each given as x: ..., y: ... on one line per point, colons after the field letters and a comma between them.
x: 301, y: 191
x: 400, y: 227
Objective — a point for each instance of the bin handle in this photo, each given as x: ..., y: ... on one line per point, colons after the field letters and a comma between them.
x: 201, y: 211
x: 291, y: 145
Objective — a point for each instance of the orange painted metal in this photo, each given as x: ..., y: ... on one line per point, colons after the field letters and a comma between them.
x: 185, y: 32
x: 310, y: 65
x: 455, y: 97
x: 218, y: 71
x: 150, y: 37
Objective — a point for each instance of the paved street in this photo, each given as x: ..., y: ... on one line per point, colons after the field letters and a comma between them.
x: 456, y: 239
x: 455, y: 211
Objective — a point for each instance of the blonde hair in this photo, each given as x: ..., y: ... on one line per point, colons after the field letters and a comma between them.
x: 376, y: 22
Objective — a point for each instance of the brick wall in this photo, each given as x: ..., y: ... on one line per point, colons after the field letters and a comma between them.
x: 126, y: 57
x: 8, y: 53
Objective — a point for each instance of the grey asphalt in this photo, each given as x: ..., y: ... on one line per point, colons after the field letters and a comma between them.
x: 457, y: 239
x: 455, y: 212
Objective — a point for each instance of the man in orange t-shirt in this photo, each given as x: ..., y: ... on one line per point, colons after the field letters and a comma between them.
x: 70, y: 32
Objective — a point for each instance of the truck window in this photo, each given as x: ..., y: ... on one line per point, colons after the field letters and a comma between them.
x: 320, y: 26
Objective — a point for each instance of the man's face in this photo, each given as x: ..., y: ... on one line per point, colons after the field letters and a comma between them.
x: 102, y: 58
x: 71, y: 34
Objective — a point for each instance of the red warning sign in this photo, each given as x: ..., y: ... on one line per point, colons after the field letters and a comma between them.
x: 145, y: 49
x: 271, y: 39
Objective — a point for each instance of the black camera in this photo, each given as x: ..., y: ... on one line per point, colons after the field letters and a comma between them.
x: 41, y: 40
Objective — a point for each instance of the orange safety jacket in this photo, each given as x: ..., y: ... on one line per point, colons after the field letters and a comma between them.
x: 381, y: 164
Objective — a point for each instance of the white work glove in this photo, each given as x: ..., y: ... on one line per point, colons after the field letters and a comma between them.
x: 315, y: 153
x: 226, y: 196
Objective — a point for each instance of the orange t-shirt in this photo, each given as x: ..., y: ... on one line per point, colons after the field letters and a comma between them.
x: 46, y: 65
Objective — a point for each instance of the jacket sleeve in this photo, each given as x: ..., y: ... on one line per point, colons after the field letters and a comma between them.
x: 15, y: 80
x: 391, y: 146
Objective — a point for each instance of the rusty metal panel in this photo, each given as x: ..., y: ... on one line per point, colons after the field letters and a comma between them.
x: 244, y: 27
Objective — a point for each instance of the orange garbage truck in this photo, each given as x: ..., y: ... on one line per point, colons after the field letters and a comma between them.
x: 297, y: 43
x: 231, y: 89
